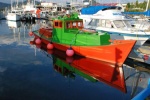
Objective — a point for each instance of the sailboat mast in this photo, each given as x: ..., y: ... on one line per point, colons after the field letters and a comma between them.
x: 11, y: 4
x: 147, y: 5
x: 17, y: 4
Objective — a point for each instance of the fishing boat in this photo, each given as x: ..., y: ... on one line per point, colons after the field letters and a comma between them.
x: 13, y: 16
x: 67, y: 35
x: 100, y: 71
x: 15, y: 13
x: 111, y: 19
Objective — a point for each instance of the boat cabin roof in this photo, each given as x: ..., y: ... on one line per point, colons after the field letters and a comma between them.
x: 94, y: 9
x: 68, y: 22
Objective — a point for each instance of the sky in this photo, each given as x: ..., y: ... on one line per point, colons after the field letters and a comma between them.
x: 62, y: 1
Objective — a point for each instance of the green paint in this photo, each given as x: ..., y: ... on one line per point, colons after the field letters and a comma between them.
x: 74, y: 36
x: 70, y: 71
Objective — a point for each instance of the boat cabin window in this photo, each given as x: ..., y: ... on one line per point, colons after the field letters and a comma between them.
x: 104, y: 23
x: 108, y: 24
x: 119, y: 24
x: 57, y: 24
x: 112, y: 8
x: 128, y: 23
x: 93, y: 22
x: 74, y: 24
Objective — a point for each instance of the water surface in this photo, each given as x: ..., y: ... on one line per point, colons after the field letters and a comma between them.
x: 27, y: 72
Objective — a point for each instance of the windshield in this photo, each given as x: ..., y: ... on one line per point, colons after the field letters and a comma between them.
x: 119, y: 24
x: 128, y: 23
x: 93, y: 22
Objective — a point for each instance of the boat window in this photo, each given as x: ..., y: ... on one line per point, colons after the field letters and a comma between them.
x: 93, y: 22
x: 68, y: 25
x: 80, y: 25
x: 75, y: 24
x: 57, y: 24
x: 119, y: 24
x: 103, y: 23
x: 99, y: 22
x: 128, y: 23
x: 108, y: 24
x: 112, y: 7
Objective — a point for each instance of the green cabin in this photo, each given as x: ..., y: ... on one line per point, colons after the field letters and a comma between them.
x: 69, y: 30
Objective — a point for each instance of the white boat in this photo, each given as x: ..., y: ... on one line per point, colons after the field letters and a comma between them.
x: 110, y: 19
x: 30, y: 8
x: 14, y: 15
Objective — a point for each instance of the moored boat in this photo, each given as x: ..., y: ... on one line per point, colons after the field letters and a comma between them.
x: 111, y: 19
x: 67, y: 33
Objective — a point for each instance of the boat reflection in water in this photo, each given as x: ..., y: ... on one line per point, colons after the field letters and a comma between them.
x: 93, y: 70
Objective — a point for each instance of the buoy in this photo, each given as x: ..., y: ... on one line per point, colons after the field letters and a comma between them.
x: 69, y: 52
x: 38, y: 41
x: 30, y: 33
x: 69, y: 59
x: 50, y: 46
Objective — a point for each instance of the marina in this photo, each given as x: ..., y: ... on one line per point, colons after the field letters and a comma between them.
x: 28, y: 72
x: 54, y: 57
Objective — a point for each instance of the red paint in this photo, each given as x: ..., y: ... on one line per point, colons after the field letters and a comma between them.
x: 38, y: 41
x: 69, y: 52
x: 115, y: 53
x: 50, y: 46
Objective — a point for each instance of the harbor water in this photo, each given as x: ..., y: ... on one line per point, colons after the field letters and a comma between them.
x: 29, y: 73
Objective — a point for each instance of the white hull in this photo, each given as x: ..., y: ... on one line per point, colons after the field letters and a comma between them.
x: 13, y: 17
x: 113, y: 22
x: 125, y: 34
x: 140, y: 40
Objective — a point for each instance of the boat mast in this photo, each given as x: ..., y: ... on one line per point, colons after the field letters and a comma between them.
x: 17, y: 4
x: 147, y: 5
x: 11, y: 5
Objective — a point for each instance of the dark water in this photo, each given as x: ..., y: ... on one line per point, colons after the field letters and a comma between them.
x: 27, y: 72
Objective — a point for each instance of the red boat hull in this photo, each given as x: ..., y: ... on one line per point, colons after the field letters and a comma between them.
x: 115, y: 53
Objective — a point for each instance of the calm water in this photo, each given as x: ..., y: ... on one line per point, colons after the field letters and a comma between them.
x: 29, y: 73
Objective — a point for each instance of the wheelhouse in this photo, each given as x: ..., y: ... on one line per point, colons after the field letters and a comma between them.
x: 69, y: 24
x: 106, y: 23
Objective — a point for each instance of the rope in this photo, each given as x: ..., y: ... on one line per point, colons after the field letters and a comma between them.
x: 73, y: 40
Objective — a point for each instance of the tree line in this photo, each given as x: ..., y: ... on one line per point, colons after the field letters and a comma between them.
x: 137, y: 6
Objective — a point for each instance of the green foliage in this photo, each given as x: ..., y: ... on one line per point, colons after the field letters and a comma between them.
x: 137, y: 3
x: 140, y: 7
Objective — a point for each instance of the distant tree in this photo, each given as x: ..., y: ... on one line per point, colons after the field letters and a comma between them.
x: 144, y: 5
x: 127, y: 7
x: 136, y: 3
x: 140, y: 6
